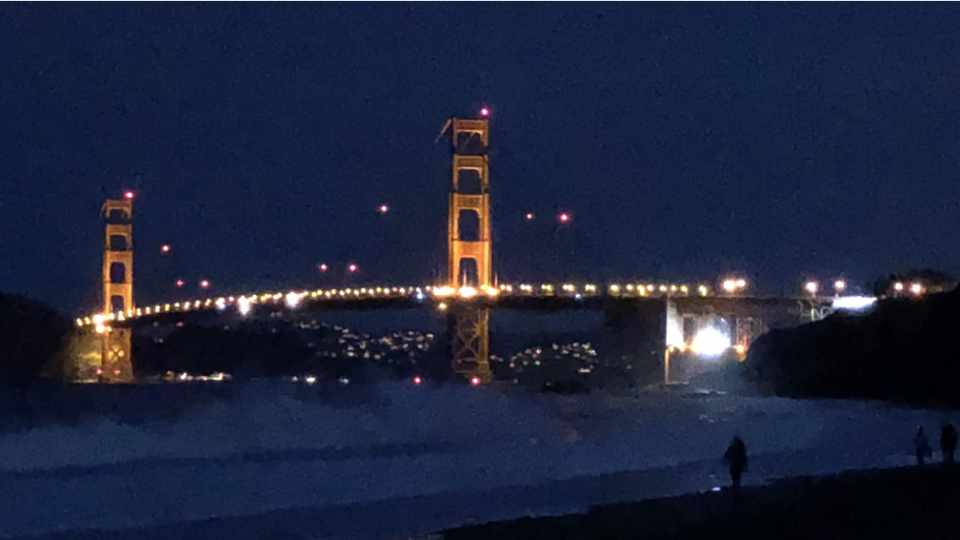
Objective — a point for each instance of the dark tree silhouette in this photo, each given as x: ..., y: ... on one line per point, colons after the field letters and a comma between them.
x: 33, y: 337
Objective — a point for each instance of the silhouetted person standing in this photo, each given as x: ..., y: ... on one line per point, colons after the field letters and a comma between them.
x: 736, y: 458
x: 948, y: 442
x: 921, y: 446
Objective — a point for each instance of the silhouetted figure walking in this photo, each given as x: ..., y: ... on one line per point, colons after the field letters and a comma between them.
x: 921, y: 446
x: 948, y: 442
x: 736, y: 458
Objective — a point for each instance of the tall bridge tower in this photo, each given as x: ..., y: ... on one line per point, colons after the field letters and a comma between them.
x: 470, y: 256
x: 470, y: 196
x: 116, y: 364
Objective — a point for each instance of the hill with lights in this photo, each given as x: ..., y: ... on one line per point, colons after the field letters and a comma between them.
x: 902, y: 349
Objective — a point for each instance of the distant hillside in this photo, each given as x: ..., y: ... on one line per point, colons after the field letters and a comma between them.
x: 33, y: 336
x: 903, y: 350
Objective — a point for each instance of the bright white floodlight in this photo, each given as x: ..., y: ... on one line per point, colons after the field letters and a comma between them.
x: 710, y: 342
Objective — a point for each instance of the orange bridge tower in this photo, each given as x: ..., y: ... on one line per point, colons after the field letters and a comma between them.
x: 469, y: 245
x: 116, y: 362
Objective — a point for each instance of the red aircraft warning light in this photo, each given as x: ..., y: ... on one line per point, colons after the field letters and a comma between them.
x: 128, y: 194
x: 352, y: 268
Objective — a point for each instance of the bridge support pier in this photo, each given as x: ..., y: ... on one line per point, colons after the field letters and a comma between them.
x: 116, y: 353
x: 632, y: 339
x: 469, y: 328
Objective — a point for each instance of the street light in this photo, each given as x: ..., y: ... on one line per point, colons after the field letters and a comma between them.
x: 733, y: 285
x: 839, y: 286
x: 812, y: 287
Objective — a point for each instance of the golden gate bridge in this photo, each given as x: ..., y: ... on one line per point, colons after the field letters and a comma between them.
x: 681, y: 310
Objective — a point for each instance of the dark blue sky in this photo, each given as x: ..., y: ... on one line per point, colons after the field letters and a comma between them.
x: 688, y: 140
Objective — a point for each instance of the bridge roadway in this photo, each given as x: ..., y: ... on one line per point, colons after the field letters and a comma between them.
x: 542, y: 297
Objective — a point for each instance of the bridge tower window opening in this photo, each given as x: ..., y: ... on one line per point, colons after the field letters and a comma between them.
x: 118, y: 273
x: 470, y: 182
x: 468, y: 226
x: 119, y: 242
x: 468, y: 273
x: 116, y: 303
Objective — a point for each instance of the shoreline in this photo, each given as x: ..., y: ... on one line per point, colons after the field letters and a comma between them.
x: 904, y: 502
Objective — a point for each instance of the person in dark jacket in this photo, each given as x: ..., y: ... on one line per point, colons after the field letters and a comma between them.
x: 736, y: 458
x: 948, y: 442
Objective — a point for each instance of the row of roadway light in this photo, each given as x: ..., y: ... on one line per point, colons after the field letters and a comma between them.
x: 292, y: 299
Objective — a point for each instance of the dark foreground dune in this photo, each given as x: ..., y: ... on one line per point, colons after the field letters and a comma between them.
x: 893, y: 503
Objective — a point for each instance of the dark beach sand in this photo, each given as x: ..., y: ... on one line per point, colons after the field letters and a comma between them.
x: 902, y: 503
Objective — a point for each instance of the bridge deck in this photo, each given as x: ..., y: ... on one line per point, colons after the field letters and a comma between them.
x: 546, y: 297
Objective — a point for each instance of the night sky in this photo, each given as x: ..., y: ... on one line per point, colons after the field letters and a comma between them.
x: 781, y: 141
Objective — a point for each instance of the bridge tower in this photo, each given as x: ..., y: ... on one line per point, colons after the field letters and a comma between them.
x: 470, y: 140
x: 470, y: 197
x: 116, y: 351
